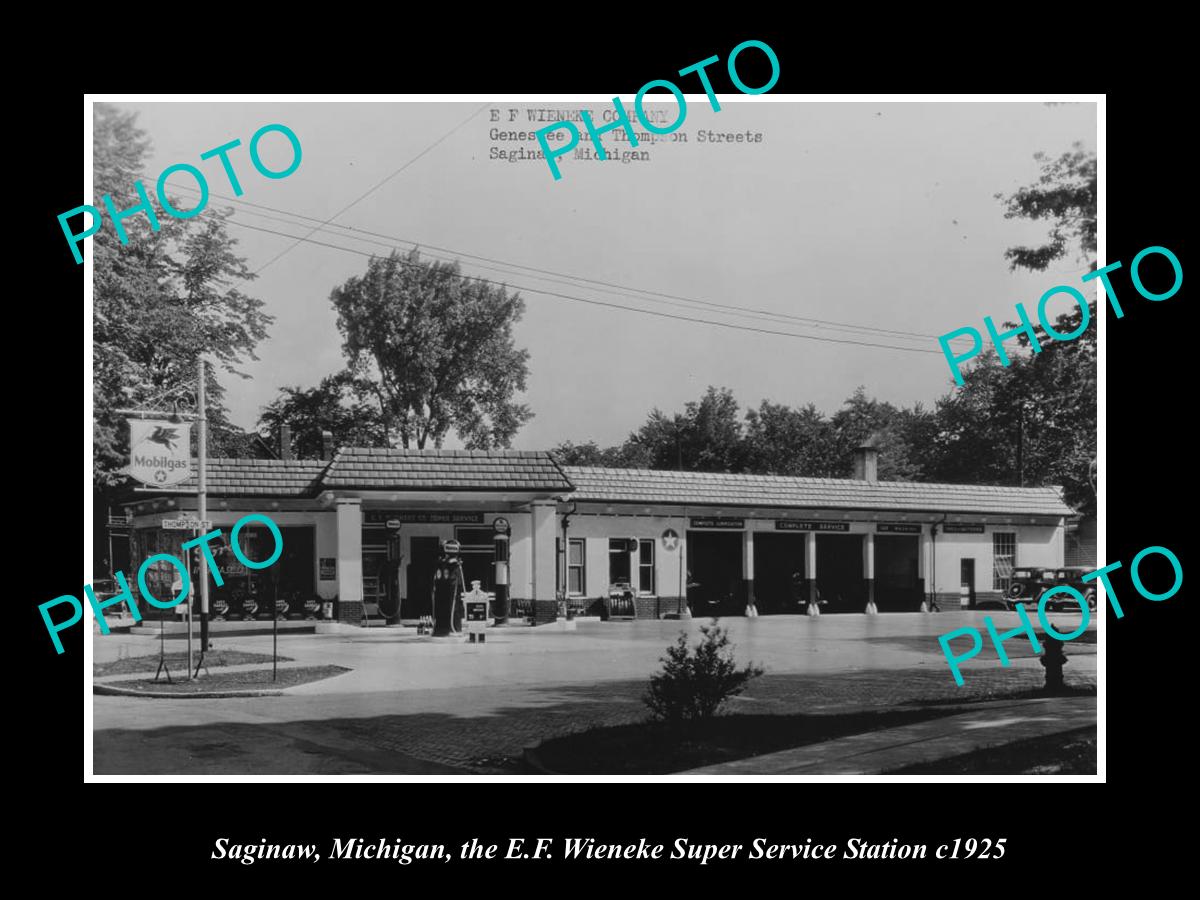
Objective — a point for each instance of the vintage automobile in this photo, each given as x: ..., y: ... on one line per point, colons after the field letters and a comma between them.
x: 1073, y: 576
x: 1026, y: 586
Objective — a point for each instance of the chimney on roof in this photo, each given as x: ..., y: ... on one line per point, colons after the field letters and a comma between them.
x: 326, y: 445
x: 285, y: 442
x: 866, y: 460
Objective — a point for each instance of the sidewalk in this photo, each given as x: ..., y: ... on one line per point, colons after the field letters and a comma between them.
x: 1000, y: 722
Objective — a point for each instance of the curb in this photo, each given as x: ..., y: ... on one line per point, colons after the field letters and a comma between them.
x: 113, y: 691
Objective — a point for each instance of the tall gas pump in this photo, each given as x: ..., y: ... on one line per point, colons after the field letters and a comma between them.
x: 390, y: 574
x: 500, y: 606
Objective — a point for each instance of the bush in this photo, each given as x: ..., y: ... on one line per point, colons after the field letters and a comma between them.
x: 694, y: 683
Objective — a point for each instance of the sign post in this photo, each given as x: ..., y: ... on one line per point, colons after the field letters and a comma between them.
x: 202, y: 508
x: 501, y: 529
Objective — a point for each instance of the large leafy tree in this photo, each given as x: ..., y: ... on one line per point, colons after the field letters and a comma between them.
x: 705, y: 437
x: 161, y: 301
x: 896, y: 432
x: 434, y: 350
x: 1034, y: 421
x: 623, y: 456
x: 331, y: 406
x: 1064, y: 196
x: 780, y: 440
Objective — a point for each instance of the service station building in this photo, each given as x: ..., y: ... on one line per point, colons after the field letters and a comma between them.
x: 608, y: 542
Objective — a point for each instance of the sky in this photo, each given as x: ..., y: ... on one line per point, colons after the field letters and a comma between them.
x: 859, y: 214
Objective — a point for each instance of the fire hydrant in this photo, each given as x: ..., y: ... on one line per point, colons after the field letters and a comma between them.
x: 1053, y: 661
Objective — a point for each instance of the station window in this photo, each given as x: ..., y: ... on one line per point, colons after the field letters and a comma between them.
x: 646, y: 566
x: 618, y: 561
x: 575, y: 567
x: 1004, y: 559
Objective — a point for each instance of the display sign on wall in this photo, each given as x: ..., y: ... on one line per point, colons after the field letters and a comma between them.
x: 327, y: 568
x: 793, y: 525
x: 898, y: 528
x: 962, y: 528
x: 418, y: 517
x: 717, y: 523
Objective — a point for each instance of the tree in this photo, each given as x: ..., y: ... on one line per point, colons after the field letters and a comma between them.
x: 780, y: 440
x: 160, y: 301
x: 1065, y: 196
x: 861, y: 419
x: 434, y: 349
x: 623, y: 456
x: 706, y: 437
x: 330, y: 406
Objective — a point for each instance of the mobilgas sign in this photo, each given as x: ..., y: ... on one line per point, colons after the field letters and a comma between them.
x: 160, y: 452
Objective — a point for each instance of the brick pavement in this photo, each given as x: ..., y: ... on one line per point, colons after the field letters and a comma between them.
x: 489, y: 739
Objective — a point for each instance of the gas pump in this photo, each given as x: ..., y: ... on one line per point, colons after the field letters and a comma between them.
x: 448, y: 588
x: 390, y: 573
x: 500, y: 604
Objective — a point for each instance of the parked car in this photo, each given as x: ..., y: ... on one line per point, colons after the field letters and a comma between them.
x: 1027, y: 586
x: 1073, y: 576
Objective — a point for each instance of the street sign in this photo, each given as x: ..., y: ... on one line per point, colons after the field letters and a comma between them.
x: 186, y: 524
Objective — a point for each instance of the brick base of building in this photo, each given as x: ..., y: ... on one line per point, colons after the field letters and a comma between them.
x: 658, y: 607
x: 948, y: 600
x: 544, y: 611
x: 350, y: 612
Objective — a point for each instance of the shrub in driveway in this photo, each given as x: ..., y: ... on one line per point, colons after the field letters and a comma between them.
x: 694, y: 682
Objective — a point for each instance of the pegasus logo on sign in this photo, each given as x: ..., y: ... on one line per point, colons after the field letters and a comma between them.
x: 165, y: 436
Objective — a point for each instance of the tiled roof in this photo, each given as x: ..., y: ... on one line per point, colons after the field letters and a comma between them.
x: 463, y: 470
x: 262, y: 477
x: 719, y: 489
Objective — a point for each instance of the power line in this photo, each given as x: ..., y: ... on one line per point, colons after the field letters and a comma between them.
x: 750, y: 312
x: 442, y: 258
x: 648, y: 312
x: 375, y: 188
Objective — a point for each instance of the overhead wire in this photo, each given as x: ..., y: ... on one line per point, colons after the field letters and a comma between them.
x: 570, y: 280
x: 593, y: 302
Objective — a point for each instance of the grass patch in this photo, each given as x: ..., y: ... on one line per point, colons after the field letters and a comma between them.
x: 654, y: 748
x: 255, y: 679
x: 1068, y: 753
x: 177, y: 662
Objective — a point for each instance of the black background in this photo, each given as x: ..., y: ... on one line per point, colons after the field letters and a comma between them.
x: 1054, y: 829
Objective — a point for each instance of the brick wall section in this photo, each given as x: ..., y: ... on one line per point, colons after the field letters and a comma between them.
x: 646, y: 607
x: 545, y: 611
x: 948, y: 600
x: 350, y: 612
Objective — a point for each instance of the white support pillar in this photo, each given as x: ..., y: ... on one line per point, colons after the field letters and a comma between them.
x: 869, y: 570
x: 810, y: 556
x: 748, y: 566
x: 349, y: 551
x: 542, y: 537
x: 923, y: 557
